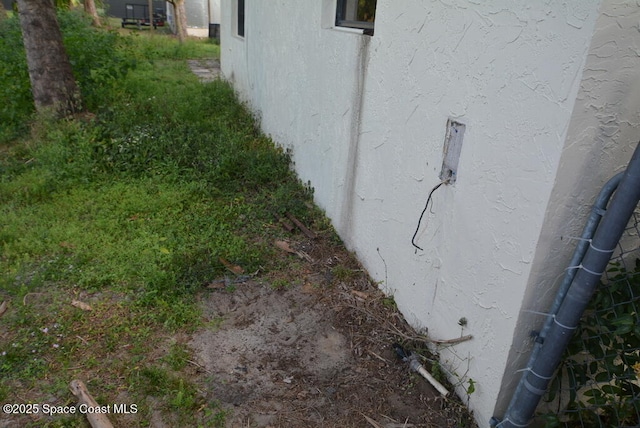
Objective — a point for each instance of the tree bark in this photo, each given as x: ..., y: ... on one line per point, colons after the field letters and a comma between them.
x: 151, y: 21
x: 91, y: 10
x: 180, y: 14
x: 52, y: 82
x: 3, y: 12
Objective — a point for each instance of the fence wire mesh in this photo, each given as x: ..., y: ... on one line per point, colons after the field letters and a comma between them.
x: 598, y: 381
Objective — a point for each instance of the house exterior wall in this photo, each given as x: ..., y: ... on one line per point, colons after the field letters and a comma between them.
x: 365, y: 118
x: 601, y: 137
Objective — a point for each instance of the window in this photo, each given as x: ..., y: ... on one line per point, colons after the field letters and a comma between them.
x: 240, y: 18
x: 356, y: 14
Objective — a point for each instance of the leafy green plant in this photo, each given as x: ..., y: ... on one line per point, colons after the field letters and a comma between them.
x: 471, y: 388
x: 602, y: 362
x: 98, y: 58
x: 184, y: 396
x: 152, y: 47
x: 437, y: 372
x: 178, y: 356
x: 132, y: 210
x: 16, y: 103
x: 390, y: 303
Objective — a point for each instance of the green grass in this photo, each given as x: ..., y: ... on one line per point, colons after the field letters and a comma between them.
x: 131, y: 208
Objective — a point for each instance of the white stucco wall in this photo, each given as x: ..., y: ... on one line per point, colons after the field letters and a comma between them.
x: 214, y: 11
x: 302, y: 81
x: 366, y: 116
x: 601, y: 137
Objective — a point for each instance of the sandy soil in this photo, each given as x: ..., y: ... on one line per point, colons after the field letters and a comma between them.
x: 315, y: 353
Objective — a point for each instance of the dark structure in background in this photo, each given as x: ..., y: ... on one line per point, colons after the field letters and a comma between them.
x: 197, y: 11
x: 138, y: 15
x: 200, y: 13
x: 118, y: 8
x: 115, y: 8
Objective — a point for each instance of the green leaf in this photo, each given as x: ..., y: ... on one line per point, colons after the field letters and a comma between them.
x: 611, y: 389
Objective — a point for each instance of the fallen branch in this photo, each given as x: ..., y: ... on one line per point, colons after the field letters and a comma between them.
x: 452, y: 341
x: 199, y: 366
x: 371, y: 421
x: 97, y: 420
x: 3, y: 307
x: 390, y: 327
x: 309, y: 234
x: 233, y: 268
x: 24, y: 299
x: 304, y: 256
x: 286, y: 225
x: 378, y: 356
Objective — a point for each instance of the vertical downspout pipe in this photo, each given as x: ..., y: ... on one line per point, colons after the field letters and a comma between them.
x: 597, y: 211
x: 565, y: 322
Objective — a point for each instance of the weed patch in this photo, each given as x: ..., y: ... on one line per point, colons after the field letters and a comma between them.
x: 151, y: 219
x: 131, y: 210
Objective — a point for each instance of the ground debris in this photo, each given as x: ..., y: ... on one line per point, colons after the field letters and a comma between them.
x: 97, y: 416
x: 316, y: 353
x: 233, y: 268
x: 284, y: 246
x: 308, y: 233
x: 81, y: 305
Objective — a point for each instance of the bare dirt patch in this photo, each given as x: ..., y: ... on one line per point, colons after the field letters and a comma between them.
x: 315, y: 353
x: 309, y: 345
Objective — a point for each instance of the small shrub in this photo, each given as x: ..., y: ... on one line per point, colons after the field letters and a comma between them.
x: 98, y: 58
x: 601, y: 367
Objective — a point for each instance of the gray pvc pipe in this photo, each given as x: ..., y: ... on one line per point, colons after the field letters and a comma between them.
x: 597, y: 211
x: 562, y: 326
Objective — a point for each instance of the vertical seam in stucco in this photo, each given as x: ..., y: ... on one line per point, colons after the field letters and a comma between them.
x: 354, y: 136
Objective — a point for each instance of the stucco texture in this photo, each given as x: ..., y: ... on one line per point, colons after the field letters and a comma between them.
x: 365, y: 118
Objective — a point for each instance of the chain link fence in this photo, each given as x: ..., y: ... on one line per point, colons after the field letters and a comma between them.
x: 598, y: 381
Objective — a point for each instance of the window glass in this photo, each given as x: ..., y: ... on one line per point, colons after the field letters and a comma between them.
x: 241, y: 18
x: 356, y: 14
x: 366, y: 10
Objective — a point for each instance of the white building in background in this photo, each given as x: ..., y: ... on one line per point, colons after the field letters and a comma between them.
x: 548, y: 94
x: 202, y: 17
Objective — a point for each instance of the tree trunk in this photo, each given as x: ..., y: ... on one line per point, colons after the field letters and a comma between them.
x: 3, y: 12
x: 151, y: 21
x: 90, y: 9
x: 181, y: 19
x: 52, y: 82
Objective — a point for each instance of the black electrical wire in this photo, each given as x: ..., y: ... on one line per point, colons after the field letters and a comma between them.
x: 426, y: 206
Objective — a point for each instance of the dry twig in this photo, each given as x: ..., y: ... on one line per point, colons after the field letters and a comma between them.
x: 96, y: 419
x: 371, y: 421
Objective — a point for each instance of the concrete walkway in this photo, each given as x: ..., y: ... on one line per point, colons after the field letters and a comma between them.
x: 207, y: 70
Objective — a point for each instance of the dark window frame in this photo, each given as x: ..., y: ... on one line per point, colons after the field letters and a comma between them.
x: 240, y: 18
x: 341, y: 21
